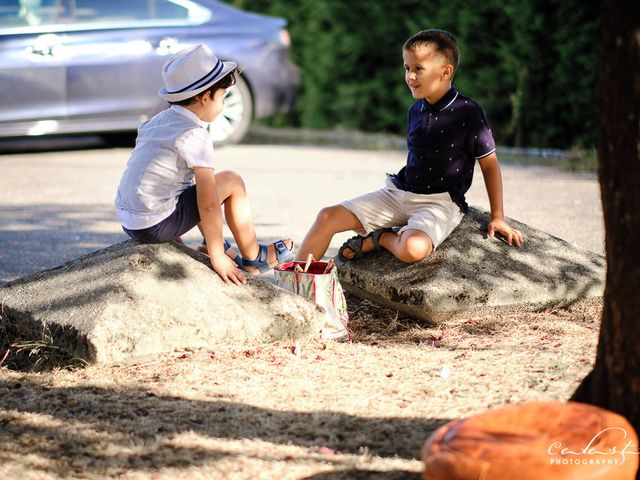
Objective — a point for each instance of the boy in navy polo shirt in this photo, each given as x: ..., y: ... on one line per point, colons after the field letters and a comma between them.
x: 446, y: 133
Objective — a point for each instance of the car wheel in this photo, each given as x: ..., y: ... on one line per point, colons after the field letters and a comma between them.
x: 233, y: 123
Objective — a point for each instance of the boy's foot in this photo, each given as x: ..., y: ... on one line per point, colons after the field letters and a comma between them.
x: 230, y: 252
x: 357, y: 246
x: 269, y: 256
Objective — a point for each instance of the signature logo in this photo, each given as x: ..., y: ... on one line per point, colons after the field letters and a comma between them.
x: 615, y: 455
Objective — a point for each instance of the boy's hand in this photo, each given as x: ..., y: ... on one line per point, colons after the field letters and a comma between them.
x: 228, y: 270
x: 508, y: 234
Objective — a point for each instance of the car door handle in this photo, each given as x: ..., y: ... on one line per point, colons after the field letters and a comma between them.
x: 45, y: 45
x: 42, y: 51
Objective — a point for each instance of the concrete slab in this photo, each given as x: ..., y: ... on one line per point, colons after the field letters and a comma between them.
x: 132, y: 301
x: 472, y: 274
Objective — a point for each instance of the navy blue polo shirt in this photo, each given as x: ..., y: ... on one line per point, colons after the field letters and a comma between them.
x: 444, y: 141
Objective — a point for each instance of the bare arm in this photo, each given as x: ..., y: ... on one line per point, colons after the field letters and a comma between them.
x: 211, y: 224
x: 493, y: 182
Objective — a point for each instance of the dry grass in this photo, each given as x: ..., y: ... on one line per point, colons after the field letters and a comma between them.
x: 322, y: 410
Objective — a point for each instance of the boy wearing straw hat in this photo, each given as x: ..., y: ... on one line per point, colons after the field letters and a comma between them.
x: 446, y: 134
x: 157, y: 199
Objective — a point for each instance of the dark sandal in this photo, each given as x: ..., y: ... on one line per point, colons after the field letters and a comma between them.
x: 375, y: 236
x: 355, y: 244
x: 261, y: 263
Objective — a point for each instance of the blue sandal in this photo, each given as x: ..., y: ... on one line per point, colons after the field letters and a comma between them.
x: 283, y: 254
x: 202, y: 248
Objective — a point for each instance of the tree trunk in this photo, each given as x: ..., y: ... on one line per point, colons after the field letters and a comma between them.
x: 614, y: 382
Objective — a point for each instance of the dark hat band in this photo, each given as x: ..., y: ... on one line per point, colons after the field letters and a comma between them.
x: 202, y: 81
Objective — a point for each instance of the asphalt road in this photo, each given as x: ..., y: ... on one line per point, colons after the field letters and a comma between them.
x: 56, y: 206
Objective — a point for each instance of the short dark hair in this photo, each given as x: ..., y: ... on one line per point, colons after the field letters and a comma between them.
x: 443, y: 42
x: 225, y: 82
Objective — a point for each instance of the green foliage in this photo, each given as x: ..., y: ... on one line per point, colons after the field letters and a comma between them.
x: 529, y: 63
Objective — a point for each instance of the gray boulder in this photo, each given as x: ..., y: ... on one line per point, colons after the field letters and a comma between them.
x: 472, y: 274
x: 132, y: 301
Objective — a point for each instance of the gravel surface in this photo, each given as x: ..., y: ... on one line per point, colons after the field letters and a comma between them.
x: 316, y: 410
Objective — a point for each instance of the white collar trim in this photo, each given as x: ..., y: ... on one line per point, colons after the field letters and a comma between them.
x: 189, y: 114
x: 452, y: 100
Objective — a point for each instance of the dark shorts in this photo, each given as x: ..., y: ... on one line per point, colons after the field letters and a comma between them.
x: 183, y: 219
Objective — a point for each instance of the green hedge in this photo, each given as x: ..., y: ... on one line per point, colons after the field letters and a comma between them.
x: 529, y: 63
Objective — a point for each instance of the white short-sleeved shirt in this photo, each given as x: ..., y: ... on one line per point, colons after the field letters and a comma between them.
x: 160, y: 168
x: 194, y: 145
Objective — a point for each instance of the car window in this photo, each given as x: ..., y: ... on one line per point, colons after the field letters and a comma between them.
x: 127, y: 10
x: 166, y: 9
x: 51, y: 16
x: 28, y: 13
x: 111, y: 10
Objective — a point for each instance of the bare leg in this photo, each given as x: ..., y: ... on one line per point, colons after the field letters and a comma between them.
x: 330, y: 220
x: 409, y: 247
x: 237, y: 211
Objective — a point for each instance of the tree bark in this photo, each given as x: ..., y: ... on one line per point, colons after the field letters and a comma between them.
x: 614, y: 382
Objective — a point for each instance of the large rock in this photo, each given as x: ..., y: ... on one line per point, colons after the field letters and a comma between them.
x: 131, y: 301
x: 473, y: 274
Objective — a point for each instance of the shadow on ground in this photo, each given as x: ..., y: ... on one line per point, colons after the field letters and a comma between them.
x: 36, y: 237
x: 366, y: 475
x: 106, y: 431
x: 55, y: 143
x: 43, y: 236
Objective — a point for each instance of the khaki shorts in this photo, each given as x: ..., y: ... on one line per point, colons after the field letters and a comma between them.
x: 435, y: 214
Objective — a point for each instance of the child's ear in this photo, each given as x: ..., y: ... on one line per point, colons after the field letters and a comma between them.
x: 447, y: 71
x: 204, y: 96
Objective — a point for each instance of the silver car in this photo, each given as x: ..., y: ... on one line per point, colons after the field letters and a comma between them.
x: 72, y: 66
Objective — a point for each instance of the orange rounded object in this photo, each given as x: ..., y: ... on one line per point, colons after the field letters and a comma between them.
x: 534, y: 441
